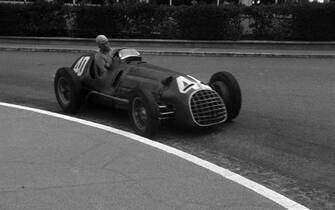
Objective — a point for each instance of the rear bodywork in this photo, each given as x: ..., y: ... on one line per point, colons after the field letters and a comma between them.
x: 178, y: 96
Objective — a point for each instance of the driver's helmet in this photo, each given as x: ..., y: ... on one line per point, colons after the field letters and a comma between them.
x: 101, y: 39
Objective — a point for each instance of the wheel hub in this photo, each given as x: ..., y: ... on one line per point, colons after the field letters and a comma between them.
x: 140, y: 114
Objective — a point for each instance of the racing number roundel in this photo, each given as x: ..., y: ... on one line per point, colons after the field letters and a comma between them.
x: 185, y: 84
x: 80, y: 65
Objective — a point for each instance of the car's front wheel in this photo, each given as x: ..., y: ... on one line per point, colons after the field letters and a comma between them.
x: 143, y: 113
x: 67, y: 90
x: 226, y: 85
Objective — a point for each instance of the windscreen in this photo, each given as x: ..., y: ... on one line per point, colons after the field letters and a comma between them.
x: 126, y: 53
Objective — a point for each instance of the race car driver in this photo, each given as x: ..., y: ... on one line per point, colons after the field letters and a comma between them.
x: 104, y: 58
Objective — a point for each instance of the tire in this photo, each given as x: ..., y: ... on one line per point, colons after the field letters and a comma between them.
x: 68, y: 90
x: 225, y: 84
x: 143, y: 113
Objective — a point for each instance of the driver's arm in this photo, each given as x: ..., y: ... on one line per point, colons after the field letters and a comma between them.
x: 102, y: 65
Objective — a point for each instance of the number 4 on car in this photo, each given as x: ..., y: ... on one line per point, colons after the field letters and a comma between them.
x: 151, y: 94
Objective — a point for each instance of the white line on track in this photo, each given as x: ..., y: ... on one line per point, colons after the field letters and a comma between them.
x: 260, y: 189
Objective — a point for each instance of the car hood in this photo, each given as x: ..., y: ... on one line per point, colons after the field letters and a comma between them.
x: 153, y: 72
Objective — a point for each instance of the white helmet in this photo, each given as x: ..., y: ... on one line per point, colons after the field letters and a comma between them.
x: 101, y: 39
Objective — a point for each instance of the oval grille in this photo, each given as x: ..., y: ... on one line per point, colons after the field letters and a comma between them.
x: 207, y: 108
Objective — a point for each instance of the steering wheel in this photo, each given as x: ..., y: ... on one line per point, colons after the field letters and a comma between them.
x: 116, y: 53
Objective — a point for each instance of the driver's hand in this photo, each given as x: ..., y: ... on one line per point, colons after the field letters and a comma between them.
x: 107, y: 65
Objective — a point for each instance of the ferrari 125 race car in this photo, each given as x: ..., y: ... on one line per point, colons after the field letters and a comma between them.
x: 150, y: 93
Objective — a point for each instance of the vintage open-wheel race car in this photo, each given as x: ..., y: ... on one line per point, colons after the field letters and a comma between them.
x: 150, y: 93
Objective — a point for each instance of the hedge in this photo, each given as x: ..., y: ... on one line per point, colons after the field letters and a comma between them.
x: 309, y: 22
x: 44, y: 19
x: 314, y: 22
x: 210, y: 22
x: 151, y: 21
x: 270, y: 22
x: 38, y: 19
x: 90, y: 21
x: 11, y: 20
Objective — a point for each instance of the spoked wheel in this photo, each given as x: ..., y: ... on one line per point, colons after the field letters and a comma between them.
x: 225, y: 84
x: 140, y: 114
x: 143, y: 113
x: 68, y: 90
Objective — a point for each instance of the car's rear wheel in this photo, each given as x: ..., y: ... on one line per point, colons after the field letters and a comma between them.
x: 226, y: 85
x: 68, y: 90
x: 143, y: 113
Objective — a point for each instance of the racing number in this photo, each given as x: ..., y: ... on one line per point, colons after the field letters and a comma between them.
x: 80, y: 65
x: 185, y: 84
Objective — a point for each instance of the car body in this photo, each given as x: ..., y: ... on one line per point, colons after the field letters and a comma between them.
x: 175, y: 96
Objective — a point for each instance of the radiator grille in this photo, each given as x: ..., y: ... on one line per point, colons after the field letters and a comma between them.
x: 207, y: 108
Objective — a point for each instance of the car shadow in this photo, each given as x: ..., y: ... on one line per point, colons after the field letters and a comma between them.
x: 167, y: 131
x: 106, y: 115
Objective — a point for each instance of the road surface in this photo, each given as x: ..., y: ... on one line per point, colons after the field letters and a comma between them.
x: 283, y: 138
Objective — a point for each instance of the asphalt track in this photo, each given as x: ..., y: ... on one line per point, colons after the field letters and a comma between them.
x: 55, y: 161
x: 286, y: 124
x: 52, y: 161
